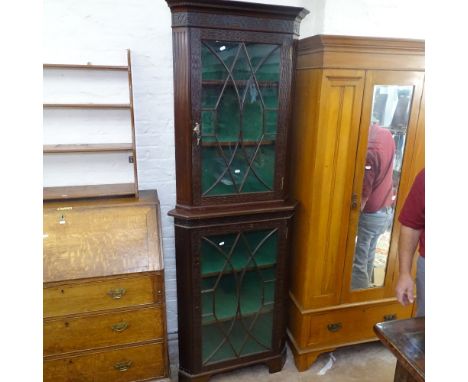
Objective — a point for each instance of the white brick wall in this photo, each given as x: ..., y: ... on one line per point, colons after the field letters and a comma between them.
x: 101, y: 27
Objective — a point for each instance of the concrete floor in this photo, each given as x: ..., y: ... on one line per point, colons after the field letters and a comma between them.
x: 370, y: 362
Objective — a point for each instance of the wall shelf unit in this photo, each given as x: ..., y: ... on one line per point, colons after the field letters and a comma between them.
x: 89, y: 131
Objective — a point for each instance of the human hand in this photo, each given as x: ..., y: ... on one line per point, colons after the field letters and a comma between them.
x: 404, y: 290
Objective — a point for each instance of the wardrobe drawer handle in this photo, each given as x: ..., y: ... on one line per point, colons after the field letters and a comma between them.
x: 334, y: 327
x: 390, y: 317
x: 117, y: 293
x: 123, y: 365
x: 120, y: 326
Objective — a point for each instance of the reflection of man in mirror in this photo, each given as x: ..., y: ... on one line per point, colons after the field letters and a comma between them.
x: 376, y: 206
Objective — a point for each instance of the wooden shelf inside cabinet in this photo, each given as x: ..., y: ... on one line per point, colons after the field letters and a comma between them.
x: 240, y: 143
x: 126, y: 185
x: 262, y: 84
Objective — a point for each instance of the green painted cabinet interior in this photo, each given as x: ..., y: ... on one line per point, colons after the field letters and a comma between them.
x: 238, y: 273
x: 239, y: 116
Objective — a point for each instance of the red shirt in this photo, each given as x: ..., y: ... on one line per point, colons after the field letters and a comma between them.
x: 413, y: 213
x: 378, y: 173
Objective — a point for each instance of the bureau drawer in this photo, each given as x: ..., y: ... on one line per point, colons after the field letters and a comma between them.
x: 91, y: 296
x: 100, y: 330
x: 136, y: 363
x: 351, y: 324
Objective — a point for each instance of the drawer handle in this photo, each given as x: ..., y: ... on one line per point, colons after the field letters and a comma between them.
x: 120, y: 326
x: 334, y: 327
x: 390, y: 317
x: 117, y: 293
x: 123, y: 365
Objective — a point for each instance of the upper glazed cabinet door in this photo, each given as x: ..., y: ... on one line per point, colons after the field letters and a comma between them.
x: 240, y: 116
x: 387, y: 138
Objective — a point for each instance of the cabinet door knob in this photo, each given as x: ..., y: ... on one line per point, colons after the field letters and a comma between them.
x: 390, y: 317
x: 334, y: 327
x: 117, y: 293
x: 123, y: 365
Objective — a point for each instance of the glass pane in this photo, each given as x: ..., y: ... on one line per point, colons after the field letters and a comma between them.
x: 386, y: 144
x: 238, y: 293
x: 240, y: 83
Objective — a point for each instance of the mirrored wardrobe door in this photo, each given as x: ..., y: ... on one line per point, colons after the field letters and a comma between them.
x: 387, y: 130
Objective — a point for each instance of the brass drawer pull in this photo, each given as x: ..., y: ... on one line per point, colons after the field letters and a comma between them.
x: 390, y: 317
x: 117, y: 293
x: 334, y: 327
x: 123, y: 365
x: 120, y: 326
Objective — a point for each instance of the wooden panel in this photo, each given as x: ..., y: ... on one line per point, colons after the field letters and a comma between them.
x: 81, y: 243
x: 352, y: 324
x: 323, y: 184
x: 91, y: 296
x: 100, y: 330
x: 144, y: 363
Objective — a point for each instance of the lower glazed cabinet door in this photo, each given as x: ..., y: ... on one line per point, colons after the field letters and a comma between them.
x: 136, y: 363
x: 237, y: 294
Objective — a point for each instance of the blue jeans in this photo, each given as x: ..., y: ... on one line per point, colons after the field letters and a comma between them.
x: 420, y: 287
x: 371, y: 226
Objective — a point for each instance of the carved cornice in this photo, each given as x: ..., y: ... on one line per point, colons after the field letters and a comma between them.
x: 236, y: 15
x: 359, y: 43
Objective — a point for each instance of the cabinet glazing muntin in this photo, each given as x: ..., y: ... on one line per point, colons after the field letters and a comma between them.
x: 240, y: 286
x: 240, y: 114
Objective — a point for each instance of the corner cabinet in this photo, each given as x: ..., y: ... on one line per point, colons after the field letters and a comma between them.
x: 233, y: 69
x: 346, y: 89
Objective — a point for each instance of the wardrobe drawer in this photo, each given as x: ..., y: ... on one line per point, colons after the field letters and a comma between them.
x: 136, y: 363
x: 352, y: 324
x: 73, y: 298
x: 65, y: 335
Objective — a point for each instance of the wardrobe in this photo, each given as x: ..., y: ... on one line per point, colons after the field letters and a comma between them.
x: 343, y: 86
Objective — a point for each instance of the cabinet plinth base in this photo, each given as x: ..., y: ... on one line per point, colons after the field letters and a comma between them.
x: 305, y: 360
x: 274, y: 364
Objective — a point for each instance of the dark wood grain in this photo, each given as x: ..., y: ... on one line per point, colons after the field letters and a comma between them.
x: 406, y: 340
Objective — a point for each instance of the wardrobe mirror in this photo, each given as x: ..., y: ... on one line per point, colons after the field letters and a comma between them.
x: 386, y: 143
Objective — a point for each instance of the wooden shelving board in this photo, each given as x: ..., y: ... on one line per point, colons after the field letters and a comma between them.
x: 72, y: 192
x: 82, y: 148
x: 85, y: 66
x: 86, y: 106
x: 100, y: 190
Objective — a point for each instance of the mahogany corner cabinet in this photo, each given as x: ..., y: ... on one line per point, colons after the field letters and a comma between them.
x: 233, y: 70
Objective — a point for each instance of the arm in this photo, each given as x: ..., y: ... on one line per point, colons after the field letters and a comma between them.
x: 407, y: 244
x: 369, y: 177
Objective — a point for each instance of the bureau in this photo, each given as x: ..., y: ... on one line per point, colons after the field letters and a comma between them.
x: 103, y: 297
